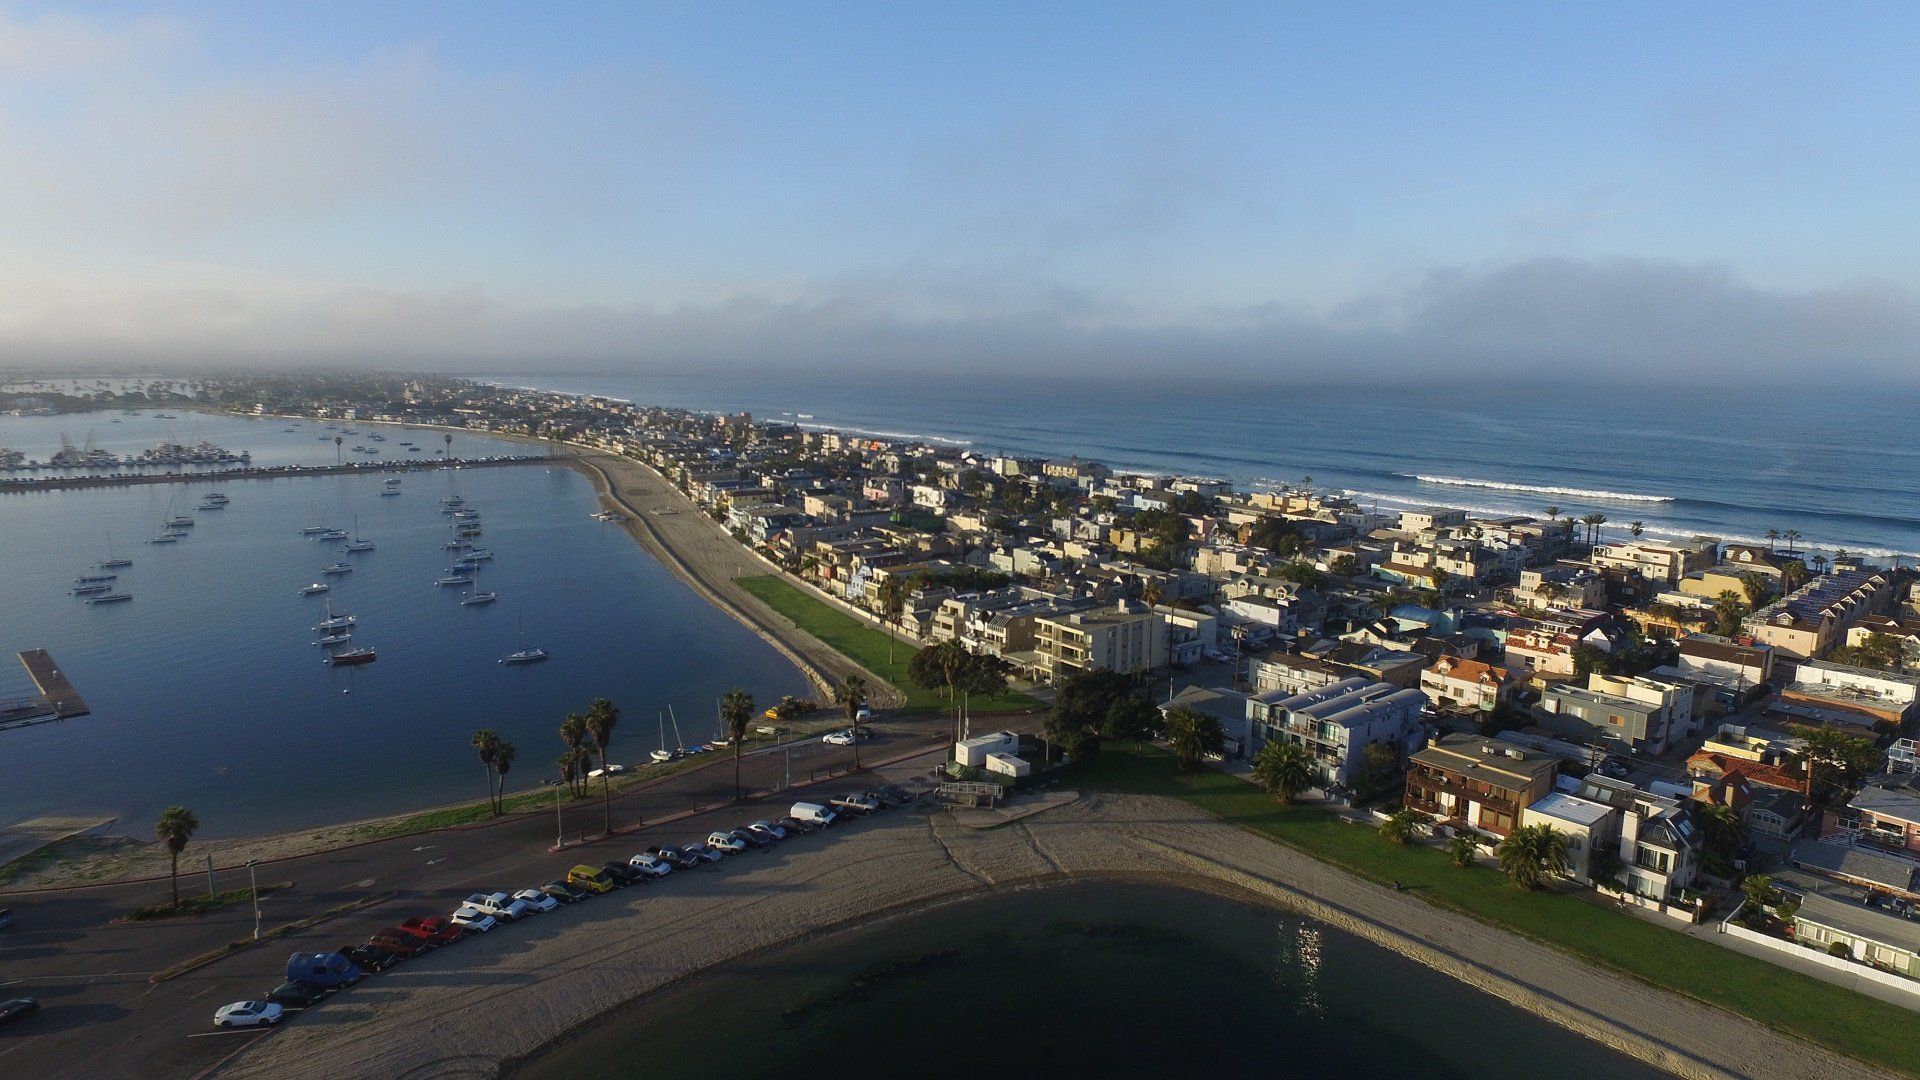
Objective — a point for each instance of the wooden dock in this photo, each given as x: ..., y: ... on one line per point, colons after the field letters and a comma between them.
x: 61, y: 699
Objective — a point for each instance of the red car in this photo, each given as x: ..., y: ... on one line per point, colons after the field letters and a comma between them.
x: 439, y: 929
x: 403, y: 942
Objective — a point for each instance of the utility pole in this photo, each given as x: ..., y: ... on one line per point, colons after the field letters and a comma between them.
x: 559, y: 832
x: 209, y: 876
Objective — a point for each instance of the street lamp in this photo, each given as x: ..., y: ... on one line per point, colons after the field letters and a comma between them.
x: 253, y: 882
x: 559, y: 835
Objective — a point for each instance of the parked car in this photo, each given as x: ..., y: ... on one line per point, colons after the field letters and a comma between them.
x: 750, y: 838
x: 726, y: 841
x: 293, y: 995
x: 622, y: 873
x: 473, y: 920
x: 438, y: 929
x: 17, y: 1009
x: 500, y: 906
x: 325, y: 970
x: 700, y: 854
x: 855, y: 802
x: 838, y: 738
x: 248, y: 1014
x: 795, y: 825
x: 813, y: 812
x: 894, y: 794
x: 862, y: 714
x: 650, y: 864
x: 369, y: 957
x: 672, y: 856
x: 769, y: 830
x: 537, y: 900
x: 6, y: 921
x: 592, y: 879
x: 565, y: 893
x: 400, y: 942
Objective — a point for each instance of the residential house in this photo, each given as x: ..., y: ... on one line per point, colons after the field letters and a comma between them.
x: 1589, y: 827
x: 1810, y: 621
x: 1887, y: 697
x: 1230, y: 707
x: 1884, y: 814
x: 1457, y: 685
x: 1478, y: 783
x: 1337, y: 723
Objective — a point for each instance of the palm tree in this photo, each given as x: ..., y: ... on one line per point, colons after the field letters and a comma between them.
x: 1531, y: 853
x: 568, y: 766
x: 1401, y: 826
x: 893, y: 601
x: 1284, y: 769
x: 573, y: 732
x: 1819, y: 564
x: 1790, y: 536
x: 1553, y: 514
x: 736, y: 712
x: 486, y: 743
x: 851, y: 696
x: 602, y: 717
x: 1152, y: 593
x: 1636, y: 528
x: 1728, y: 609
x: 503, y: 756
x: 175, y: 827
x: 1193, y: 735
x: 1724, y: 830
x: 1772, y: 536
x: 1463, y: 848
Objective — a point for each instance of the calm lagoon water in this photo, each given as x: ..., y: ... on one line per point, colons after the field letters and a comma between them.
x: 1080, y: 980
x: 207, y: 691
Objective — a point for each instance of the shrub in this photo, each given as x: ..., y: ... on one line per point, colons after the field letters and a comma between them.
x: 1840, y: 949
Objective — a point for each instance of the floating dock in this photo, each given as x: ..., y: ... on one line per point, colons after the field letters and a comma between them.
x: 58, y: 699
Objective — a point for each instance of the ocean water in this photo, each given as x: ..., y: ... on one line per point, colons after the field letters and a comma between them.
x: 207, y: 691
x: 1080, y: 980
x: 1728, y: 461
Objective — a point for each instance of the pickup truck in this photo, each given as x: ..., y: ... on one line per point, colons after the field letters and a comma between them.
x: 856, y: 802
x: 499, y: 905
x: 439, y: 931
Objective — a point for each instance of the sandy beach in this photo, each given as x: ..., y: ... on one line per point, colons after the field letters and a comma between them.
x: 503, y: 997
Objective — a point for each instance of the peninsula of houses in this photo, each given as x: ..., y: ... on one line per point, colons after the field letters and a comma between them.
x: 1681, y: 712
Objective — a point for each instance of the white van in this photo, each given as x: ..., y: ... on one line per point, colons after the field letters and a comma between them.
x: 812, y: 812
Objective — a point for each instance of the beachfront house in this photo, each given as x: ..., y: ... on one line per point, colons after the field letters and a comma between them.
x: 1478, y: 783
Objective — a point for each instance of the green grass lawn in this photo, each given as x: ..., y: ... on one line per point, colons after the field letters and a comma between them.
x: 1785, y: 1000
x: 858, y: 642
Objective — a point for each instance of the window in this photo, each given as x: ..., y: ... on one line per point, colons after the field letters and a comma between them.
x: 1617, y: 721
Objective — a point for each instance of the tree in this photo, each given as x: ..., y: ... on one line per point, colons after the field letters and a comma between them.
x: 1463, y: 848
x: 1378, y: 764
x: 1345, y: 565
x: 1553, y: 513
x: 1755, y: 588
x: 573, y: 732
x: 1760, y: 895
x: 736, y: 712
x: 1728, y: 610
x: 175, y: 827
x: 851, y: 696
x: 1152, y: 593
x: 1081, y: 707
x: 1532, y: 852
x: 938, y: 666
x: 602, y: 718
x: 1401, y: 826
x: 1772, y: 536
x: 1193, y: 735
x: 1636, y: 528
x: 893, y: 601
x: 1835, y: 758
x: 486, y: 743
x: 503, y: 756
x: 1130, y: 718
x: 1284, y: 769
x: 1588, y: 659
x: 1793, y: 574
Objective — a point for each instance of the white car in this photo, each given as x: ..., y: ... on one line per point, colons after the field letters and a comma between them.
x: 536, y: 899
x: 769, y: 830
x: 612, y: 770
x: 864, y: 713
x: 650, y: 864
x: 500, y: 905
x: 838, y: 738
x: 474, y: 919
x: 248, y: 1014
x: 726, y: 842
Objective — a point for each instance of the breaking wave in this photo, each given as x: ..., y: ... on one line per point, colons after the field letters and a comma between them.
x: 1540, y: 489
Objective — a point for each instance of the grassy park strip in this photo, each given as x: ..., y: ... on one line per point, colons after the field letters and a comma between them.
x: 1787, y: 1001
x: 204, y: 904
x: 858, y: 642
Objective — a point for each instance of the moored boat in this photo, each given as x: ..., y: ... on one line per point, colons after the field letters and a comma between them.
x: 316, y: 589
x: 479, y: 598
x: 351, y: 657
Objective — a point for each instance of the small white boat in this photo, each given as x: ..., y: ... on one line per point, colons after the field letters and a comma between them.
x: 316, y: 589
x: 110, y: 598
x: 179, y: 522
x: 477, y: 555
x: 334, y: 534
x: 454, y: 545
x: 360, y: 545
x: 351, y: 656
x: 90, y: 590
x: 334, y: 622
x: 340, y: 638
x: 479, y: 598
x: 389, y: 492
x: 455, y: 579
x: 523, y: 655
x: 163, y: 538
x: 337, y: 568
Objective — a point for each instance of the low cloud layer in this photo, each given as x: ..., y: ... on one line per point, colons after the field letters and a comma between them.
x: 1529, y: 321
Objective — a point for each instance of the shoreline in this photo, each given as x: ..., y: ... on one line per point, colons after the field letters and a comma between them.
x: 584, y: 970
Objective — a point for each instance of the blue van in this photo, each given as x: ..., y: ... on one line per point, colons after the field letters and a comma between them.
x: 326, y: 970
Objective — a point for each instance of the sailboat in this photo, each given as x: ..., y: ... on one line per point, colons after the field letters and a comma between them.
x: 663, y: 754
x: 358, y: 543
x: 524, y: 655
x: 314, y: 529
x: 334, y: 622
x: 112, y: 561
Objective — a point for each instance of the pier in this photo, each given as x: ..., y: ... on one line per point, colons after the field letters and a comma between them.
x: 71, y: 483
x: 58, y: 699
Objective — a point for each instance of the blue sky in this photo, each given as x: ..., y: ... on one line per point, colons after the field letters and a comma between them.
x: 1275, y: 188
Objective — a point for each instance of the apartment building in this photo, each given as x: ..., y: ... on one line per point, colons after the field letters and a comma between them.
x: 1655, y: 561
x: 1124, y: 637
x: 1810, y: 621
x: 1478, y: 783
x: 1336, y: 724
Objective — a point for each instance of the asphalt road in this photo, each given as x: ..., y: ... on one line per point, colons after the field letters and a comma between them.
x: 100, y: 1015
